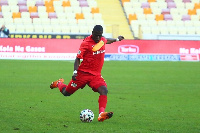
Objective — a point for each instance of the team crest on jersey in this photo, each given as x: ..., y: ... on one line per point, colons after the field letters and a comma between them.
x: 73, y: 84
x: 79, y: 52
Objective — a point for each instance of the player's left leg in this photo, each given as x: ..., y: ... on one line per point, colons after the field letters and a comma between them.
x: 61, y: 86
x: 55, y: 83
x: 72, y: 86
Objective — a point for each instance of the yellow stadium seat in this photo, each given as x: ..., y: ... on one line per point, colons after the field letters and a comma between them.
x: 79, y: 16
x: 66, y: 3
x: 147, y: 11
x: 132, y: 17
x: 125, y: 1
x: 95, y: 10
x: 32, y: 9
x: 151, y: 0
x: 192, y: 12
x: 197, y: 6
x: 160, y: 17
x: 16, y: 15
x: 48, y: 3
x: 50, y: 9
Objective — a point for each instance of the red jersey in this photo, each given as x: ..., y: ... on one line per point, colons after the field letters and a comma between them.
x: 92, y: 60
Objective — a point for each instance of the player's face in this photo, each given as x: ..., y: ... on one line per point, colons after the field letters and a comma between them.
x: 96, y: 35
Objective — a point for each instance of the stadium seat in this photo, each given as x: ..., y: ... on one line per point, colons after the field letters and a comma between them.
x: 83, y: 4
x: 20, y: 28
x: 5, y: 8
x: 32, y: 9
x: 18, y: 21
x: 23, y: 8
x: 191, y: 30
x: 21, y: 3
x: 47, y: 28
x: 3, y: 2
x: 34, y: 15
x: 16, y: 15
x: 14, y: 8
x: 164, y: 30
x: 186, y: 17
x: 27, y: 21
x: 54, y: 21
x: 11, y: 27
x: 63, y: 21
x: 52, y: 15
x: 192, y: 12
x: 66, y: 4
x: 30, y: 3
x: 159, y: 17
x: 95, y: 10
x: 45, y: 21
x: 39, y: 3
x: 38, y: 28
x: 37, y: 21
x: 83, y: 29
x: 29, y: 28
x: 50, y: 9
x: 65, y: 29
x: 182, y: 30
x: 74, y: 29
x: 1, y: 20
x: 43, y: 14
x: 168, y: 17
x: 56, y: 29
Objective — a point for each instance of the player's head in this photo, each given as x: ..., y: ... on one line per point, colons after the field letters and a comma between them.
x: 97, y: 33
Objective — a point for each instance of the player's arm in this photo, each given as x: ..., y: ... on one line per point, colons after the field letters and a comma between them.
x: 111, y: 40
x: 76, y: 65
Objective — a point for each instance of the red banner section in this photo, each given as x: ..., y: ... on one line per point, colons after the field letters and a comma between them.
x: 66, y: 49
x: 155, y: 47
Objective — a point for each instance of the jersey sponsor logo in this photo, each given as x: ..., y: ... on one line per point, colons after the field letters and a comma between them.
x: 128, y: 49
x: 99, y: 52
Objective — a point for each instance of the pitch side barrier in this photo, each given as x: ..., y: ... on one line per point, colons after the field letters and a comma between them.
x: 126, y: 50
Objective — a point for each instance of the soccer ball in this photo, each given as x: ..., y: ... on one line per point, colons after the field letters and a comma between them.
x: 86, y: 115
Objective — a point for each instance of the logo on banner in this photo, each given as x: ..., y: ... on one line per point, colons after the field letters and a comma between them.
x: 128, y: 49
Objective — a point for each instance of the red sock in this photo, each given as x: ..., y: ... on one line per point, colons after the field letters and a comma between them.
x: 61, y: 86
x: 102, y: 103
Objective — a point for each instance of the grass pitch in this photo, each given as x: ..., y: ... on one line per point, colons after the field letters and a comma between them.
x: 146, y: 97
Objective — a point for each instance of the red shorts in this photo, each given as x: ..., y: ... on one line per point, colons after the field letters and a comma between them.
x: 83, y: 79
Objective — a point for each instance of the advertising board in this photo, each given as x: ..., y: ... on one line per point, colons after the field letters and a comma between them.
x: 133, y: 50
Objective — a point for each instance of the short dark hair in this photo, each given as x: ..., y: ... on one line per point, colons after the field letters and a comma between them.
x: 98, y: 28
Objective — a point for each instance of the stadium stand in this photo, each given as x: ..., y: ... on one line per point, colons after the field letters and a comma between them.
x: 181, y: 17
x: 50, y: 16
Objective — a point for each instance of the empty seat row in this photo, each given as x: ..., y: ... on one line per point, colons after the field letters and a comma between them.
x: 48, y: 29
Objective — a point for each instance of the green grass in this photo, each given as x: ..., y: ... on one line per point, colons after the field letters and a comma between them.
x: 146, y: 97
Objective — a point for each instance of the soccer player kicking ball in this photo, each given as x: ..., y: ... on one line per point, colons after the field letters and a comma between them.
x: 92, y: 51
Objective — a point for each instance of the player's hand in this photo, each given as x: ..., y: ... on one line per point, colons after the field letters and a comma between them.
x: 74, y: 76
x: 120, y: 38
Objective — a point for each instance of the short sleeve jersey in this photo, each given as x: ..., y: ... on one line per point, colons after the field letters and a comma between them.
x: 92, y: 60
